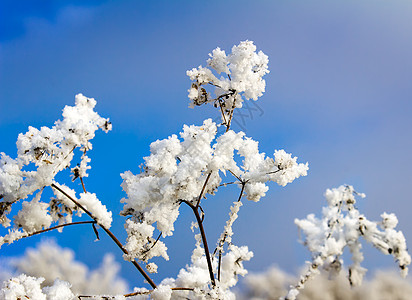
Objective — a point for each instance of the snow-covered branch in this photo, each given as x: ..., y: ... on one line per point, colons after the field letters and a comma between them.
x: 342, y: 226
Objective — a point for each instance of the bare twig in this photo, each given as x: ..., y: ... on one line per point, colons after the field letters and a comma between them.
x: 203, y: 189
x: 84, y: 188
x: 219, y: 264
x: 109, y: 233
x: 227, y: 183
x: 202, y: 232
x: 241, y: 191
x: 55, y: 227
x: 154, y: 244
x: 237, y: 177
x: 216, y: 85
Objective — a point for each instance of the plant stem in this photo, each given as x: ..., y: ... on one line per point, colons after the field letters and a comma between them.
x: 84, y: 188
x: 222, y: 241
x: 203, y: 189
x: 56, y: 227
x: 206, y: 247
x: 109, y: 233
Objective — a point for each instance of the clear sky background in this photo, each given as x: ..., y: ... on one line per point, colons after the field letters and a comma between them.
x: 338, y: 96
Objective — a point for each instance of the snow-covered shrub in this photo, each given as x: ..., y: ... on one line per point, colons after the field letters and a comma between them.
x: 180, y: 170
x: 274, y: 283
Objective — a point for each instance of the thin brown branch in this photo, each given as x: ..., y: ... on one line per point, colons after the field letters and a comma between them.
x: 227, y: 183
x: 237, y: 177
x: 154, y: 244
x: 273, y: 172
x: 84, y: 188
x: 53, y: 228
x: 204, y: 240
x: 203, y: 189
x: 219, y: 264
x: 57, y: 227
x: 241, y: 191
x: 216, y: 85
x: 109, y: 233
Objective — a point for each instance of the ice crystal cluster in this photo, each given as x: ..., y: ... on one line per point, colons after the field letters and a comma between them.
x: 342, y: 226
x: 181, y: 170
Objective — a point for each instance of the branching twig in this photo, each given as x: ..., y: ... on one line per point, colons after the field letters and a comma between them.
x: 237, y: 177
x: 109, y: 233
x: 154, y: 244
x: 206, y: 247
x: 203, y: 189
x: 55, y: 227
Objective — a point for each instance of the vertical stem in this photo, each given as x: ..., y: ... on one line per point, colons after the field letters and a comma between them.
x: 202, y: 232
x: 204, y: 240
x: 203, y: 189
x: 84, y: 188
x: 218, y: 267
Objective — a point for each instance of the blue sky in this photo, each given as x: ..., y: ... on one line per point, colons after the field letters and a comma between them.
x: 338, y: 96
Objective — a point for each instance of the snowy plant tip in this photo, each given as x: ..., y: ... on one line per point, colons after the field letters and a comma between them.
x: 243, y: 70
x: 177, y: 170
x: 41, y: 155
x: 342, y: 226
